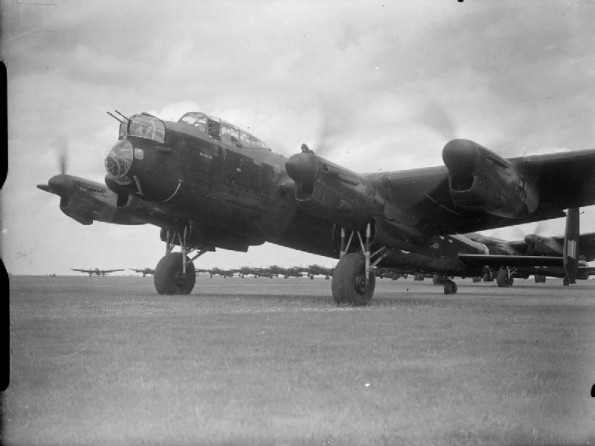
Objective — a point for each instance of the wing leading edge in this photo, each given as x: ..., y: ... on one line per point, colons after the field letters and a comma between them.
x: 423, y: 198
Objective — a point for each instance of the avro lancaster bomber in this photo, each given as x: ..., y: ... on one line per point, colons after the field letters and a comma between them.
x: 208, y: 184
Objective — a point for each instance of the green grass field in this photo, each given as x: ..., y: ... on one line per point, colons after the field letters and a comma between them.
x: 275, y: 362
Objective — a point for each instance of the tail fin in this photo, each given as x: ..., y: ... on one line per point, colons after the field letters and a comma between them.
x: 571, y: 242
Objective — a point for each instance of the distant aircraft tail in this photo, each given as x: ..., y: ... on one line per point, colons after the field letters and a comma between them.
x: 571, y: 245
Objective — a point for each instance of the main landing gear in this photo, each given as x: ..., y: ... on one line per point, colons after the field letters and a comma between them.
x: 170, y: 277
x: 353, y: 280
x: 175, y: 272
x: 504, y: 278
x: 450, y: 287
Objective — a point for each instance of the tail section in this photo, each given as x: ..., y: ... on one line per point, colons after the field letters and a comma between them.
x: 571, y: 245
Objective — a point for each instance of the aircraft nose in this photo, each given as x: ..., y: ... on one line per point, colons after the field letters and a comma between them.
x: 119, y: 159
x: 302, y: 167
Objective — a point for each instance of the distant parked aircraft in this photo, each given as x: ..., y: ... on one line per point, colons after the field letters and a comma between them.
x: 538, y: 247
x: 143, y: 271
x: 96, y: 271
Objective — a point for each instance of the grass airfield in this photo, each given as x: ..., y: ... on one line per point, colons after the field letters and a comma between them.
x: 105, y: 360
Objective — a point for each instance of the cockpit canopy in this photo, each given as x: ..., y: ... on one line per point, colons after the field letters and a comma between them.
x: 222, y: 131
x: 144, y: 126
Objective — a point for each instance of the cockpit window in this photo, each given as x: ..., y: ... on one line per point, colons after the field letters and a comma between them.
x: 147, y: 127
x: 199, y: 120
x: 221, y: 130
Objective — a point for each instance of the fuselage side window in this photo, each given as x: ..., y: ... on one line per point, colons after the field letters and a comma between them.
x: 221, y: 130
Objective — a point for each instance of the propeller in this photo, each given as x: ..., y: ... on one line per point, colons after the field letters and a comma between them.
x: 58, y: 184
x: 334, y: 118
x: 303, y: 167
x: 63, y: 161
x: 439, y: 119
x: 60, y: 145
x: 325, y: 135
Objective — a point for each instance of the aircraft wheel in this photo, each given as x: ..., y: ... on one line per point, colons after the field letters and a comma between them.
x: 450, y: 287
x: 566, y: 282
x: 169, y: 278
x: 503, y: 280
x: 349, y: 284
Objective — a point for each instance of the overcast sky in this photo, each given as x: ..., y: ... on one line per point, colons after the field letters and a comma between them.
x: 380, y: 85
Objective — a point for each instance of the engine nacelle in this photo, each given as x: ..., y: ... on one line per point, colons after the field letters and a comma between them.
x: 328, y: 191
x: 480, y: 180
x: 77, y: 209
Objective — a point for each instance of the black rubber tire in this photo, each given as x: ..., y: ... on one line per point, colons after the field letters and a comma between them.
x: 450, y: 287
x: 168, y: 276
x: 503, y: 280
x: 348, y: 281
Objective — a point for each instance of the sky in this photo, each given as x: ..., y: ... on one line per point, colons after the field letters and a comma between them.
x: 372, y: 85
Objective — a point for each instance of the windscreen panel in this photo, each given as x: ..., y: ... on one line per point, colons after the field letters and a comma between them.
x: 147, y: 127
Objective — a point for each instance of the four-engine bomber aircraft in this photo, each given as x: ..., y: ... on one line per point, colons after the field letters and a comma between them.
x: 537, y: 245
x: 144, y: 271
x: 98, y: 272
x: 210, y: 185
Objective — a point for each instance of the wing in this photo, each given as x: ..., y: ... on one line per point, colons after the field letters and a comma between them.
x: 515, y: 191
x: 82, y: 270
x: 586, y: 271
x: 504, y: 260
x: 87, y: 201
x: 586, y: 245
x: 565, y: 180
x: 111, y: 270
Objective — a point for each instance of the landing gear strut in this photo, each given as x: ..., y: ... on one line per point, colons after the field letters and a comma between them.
x: 450, y: 287
x: 353, y: 280
x: 175, y: 272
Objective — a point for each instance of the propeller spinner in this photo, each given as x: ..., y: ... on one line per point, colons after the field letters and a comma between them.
x: 302, y: 167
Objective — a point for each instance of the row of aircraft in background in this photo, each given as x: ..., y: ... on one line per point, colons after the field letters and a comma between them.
x: 105, y: 272
x: 246, y: 271
x: 208, y: 184
x: 531, y: 245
